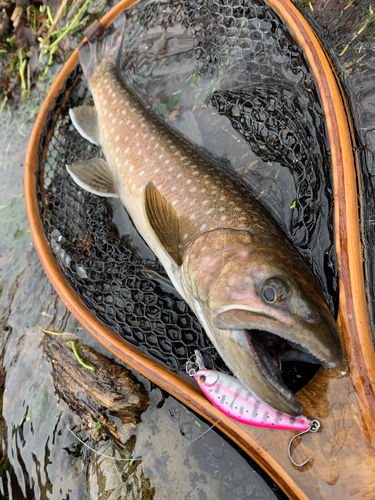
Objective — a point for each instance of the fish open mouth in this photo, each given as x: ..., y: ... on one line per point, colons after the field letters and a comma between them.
x: 269, y: 351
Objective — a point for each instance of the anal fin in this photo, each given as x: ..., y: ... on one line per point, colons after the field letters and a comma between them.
x: 94, y: 176
x: 85, y: 121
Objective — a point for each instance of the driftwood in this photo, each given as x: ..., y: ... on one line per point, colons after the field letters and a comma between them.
x: 98, y: 397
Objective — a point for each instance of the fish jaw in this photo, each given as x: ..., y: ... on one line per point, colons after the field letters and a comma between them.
x: 251, y: 291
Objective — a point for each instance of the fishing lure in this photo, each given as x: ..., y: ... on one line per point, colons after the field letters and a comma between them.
x: 237, y: 402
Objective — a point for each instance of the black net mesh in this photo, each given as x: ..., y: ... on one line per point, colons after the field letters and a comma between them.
x: 270, y: 133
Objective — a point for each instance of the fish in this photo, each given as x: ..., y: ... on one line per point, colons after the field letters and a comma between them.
x: 251, y: 291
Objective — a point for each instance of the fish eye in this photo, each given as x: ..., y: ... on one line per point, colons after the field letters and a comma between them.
x: 274, y: 291
x: 202, y: 379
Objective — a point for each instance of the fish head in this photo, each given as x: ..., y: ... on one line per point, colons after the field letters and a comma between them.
x: 259, y: 303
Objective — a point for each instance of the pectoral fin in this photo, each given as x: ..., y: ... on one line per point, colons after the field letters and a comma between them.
x: 94, y: 176
x: 85, y: 120
x: 163, y: 220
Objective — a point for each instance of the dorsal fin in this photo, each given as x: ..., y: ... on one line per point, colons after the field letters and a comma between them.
x: 163, y: 220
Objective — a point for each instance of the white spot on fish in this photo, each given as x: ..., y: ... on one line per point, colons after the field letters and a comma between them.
x: 105, y: 102
x: 142, y: 172
x: 178, y: 176
x: 110, y: 114
x: 127, y: 123
x: 139, y: 152
x: 156, y: 171
x: 188, y: 181
x: 105, y: 112
x: 192, y: 217
x: 147, y: 160
x: 131, y: 168
x: 205, y: 202
x: 174, y: 202
x: 160, y: 157
x: 113, y: 129
x: 203, y: 226
x: 223, y: 217
x: 126, y: 138
x: 222, y: 209
x: 127, y: 161
x: 159, y: 187
x: 222, y: 198
x: 210, y: 211
x: 126, y: 150
x: 166, y: 162
x: 193, y: 189
x: 185, y: 236
x: 117, y: 149
x: 174, y: 188
x: 132, y: 126
x: 170, y: 169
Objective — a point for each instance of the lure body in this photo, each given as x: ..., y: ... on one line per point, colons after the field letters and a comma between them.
x: 237, y: 402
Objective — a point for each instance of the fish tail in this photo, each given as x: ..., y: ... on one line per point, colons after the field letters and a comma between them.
x: 104, y: 48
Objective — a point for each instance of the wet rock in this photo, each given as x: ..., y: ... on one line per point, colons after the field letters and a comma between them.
x: 110, y: 400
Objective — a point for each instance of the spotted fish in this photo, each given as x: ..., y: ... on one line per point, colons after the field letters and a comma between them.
x: 253, y: 294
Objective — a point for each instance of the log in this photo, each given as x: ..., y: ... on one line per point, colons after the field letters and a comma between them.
x: 99, y: 397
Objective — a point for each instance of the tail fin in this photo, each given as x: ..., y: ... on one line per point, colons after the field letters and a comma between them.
x: 92, y: 53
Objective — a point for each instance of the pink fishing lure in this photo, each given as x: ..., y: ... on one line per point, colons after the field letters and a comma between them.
x: 237, y: 402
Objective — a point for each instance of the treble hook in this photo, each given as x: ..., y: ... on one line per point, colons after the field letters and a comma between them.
x: 314, y: 427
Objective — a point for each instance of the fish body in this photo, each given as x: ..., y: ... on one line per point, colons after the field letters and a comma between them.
x: 238, y: 403
x: 224, y: 255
